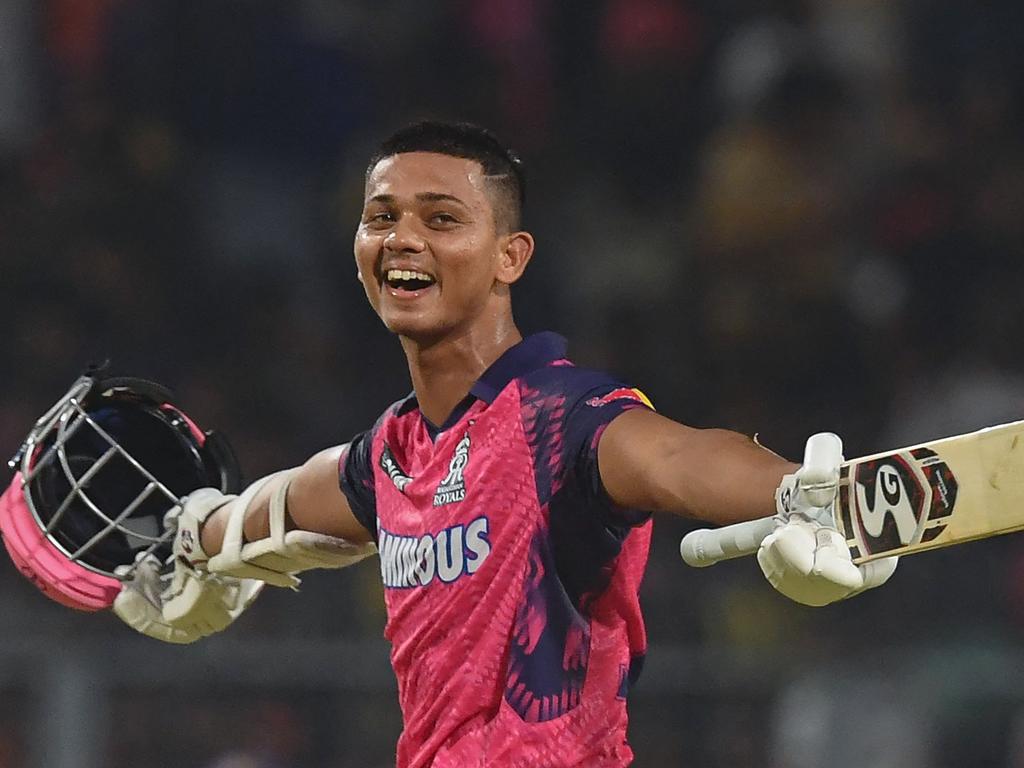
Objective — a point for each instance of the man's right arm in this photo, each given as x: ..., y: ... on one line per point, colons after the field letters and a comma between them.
x: 314, y: 503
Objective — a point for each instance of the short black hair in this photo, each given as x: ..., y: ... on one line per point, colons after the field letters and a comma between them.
x: 500, y: 164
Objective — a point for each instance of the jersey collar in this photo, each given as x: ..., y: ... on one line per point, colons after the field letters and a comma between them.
x: 531, y: 353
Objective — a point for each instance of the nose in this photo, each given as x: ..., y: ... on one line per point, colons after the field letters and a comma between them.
x: 403, y: 238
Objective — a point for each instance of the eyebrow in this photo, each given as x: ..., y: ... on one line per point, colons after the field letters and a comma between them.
x: 423, y: 197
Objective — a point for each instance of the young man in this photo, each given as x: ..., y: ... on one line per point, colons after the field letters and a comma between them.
x: 509, y: 496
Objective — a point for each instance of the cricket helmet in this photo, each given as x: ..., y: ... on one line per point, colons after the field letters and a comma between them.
x: 94, y: 480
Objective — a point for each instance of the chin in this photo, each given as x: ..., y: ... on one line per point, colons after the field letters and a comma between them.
x: 422, y: 330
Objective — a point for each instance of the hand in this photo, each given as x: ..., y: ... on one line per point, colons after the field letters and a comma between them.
x: 275, y: 559
x: 183, y: 605
x: 187, y: 522
x: 806, y: 558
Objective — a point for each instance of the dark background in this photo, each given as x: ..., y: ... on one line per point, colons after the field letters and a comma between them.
x: 778, y: 216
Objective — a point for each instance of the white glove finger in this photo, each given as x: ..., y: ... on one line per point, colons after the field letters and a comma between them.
x: 142, y: 616
x: 819, y: 473
x: 206, y: 628
x: 183, y: 597
x: 833, y: 567
x: 168, y: 634
x: 877, y: 572
x: 768, y: 557
x: 216, y: 615
x: 773, y: 563
x: 133, y: 609
x: 792, y: 547
x: 142, y: 577
x: 248, y: 590
x: 832, y: 559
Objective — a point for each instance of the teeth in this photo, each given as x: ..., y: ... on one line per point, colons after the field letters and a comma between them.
x: 407, y: 274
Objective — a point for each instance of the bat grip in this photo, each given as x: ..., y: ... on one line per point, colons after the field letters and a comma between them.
x: 708, y: 546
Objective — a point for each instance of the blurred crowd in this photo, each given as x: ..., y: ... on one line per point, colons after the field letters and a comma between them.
x: 777, y: 216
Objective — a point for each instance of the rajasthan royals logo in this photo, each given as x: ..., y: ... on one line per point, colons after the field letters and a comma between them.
x: 453, y: 487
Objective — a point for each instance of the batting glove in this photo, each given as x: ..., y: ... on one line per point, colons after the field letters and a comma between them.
x: 212, y: 603
x: 806, y: 557
x: 183, y: 602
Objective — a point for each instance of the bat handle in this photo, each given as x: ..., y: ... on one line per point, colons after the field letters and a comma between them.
x: 708, y: 546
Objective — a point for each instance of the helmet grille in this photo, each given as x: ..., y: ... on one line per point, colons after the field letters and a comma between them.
x: 106, y: 477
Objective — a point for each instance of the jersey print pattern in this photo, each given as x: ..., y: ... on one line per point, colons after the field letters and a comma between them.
x: 551, y: 640
x: 550, y: 644
x: 543, y: 415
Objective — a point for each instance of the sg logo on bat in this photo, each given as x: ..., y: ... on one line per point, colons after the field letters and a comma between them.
x: 895, y: 500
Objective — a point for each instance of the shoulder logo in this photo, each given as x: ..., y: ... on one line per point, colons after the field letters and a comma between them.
x: 622, y: 393
x: 390, y: 466
x: 453, y: 487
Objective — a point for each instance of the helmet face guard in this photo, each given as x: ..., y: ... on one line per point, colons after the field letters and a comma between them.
x: 94, y: 480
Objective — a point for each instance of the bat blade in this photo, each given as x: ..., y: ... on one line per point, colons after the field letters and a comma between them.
x: 933, y: 495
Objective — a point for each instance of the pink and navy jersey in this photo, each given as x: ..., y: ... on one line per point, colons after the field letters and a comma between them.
x: 511, y: 579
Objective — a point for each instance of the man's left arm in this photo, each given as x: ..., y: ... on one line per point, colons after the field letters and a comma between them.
x: 650, y: 462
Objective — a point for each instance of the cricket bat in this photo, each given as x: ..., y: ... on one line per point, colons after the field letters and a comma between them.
x: 910, y: 500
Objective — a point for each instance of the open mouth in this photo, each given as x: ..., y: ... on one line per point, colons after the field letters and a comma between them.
x: 408, y: 280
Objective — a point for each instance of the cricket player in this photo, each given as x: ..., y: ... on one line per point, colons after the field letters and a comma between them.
x: 509, y: 497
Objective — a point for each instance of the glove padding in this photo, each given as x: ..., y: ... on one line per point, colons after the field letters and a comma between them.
x: 806, y: 558
x: 810, y: 563
x: 275, y: 559
x: 192, y: 606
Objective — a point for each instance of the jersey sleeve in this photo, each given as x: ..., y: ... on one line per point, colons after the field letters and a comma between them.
x: 355, y: 476
x: 585, y: 422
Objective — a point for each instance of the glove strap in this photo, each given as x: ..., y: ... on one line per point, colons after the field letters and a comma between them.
x: 234, y: 534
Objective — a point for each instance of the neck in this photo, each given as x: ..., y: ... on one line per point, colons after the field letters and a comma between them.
x: 442, y: 372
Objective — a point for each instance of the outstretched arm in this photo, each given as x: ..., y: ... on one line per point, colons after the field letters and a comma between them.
x: 649, y: 462
x: 652, y: 463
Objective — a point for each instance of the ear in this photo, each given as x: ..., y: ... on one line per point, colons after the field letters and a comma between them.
x: 514, y: 257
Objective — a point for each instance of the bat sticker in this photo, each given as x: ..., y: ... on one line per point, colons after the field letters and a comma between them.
x: 898, y: 500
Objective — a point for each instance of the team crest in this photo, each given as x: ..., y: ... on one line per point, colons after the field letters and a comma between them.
x: 896, y: 500
x: 453, y: 488
x: 390, y: 466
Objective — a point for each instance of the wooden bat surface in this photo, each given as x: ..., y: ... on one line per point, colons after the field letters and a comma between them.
x: 933, y: 495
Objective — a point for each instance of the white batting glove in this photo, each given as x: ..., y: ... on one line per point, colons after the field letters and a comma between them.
x: 806, y: 558
x: 181, y: 606
x: 185, y: 603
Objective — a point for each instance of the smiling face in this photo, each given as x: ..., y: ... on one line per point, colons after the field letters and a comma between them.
x: 429, y: 251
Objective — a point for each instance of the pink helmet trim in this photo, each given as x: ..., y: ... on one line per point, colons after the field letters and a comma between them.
x: 193, y: 428
x: 39, y: 560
